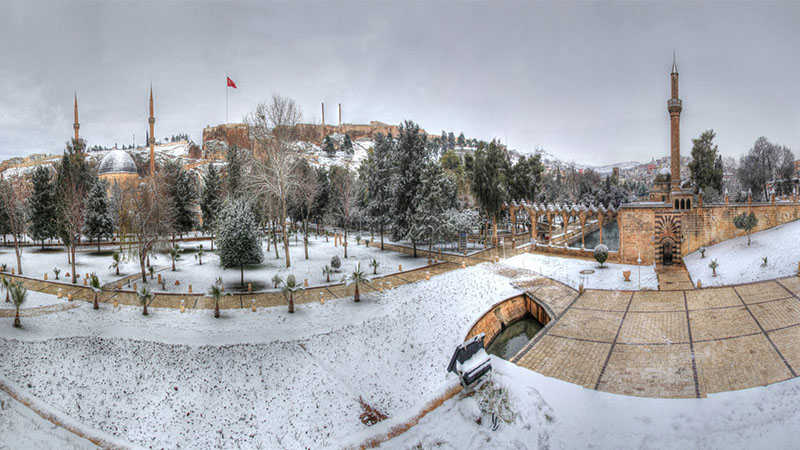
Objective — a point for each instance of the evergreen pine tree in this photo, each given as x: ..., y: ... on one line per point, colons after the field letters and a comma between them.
x: 380, y: 183
x: 328, y: 147
x: 211, y: 201
x: 42, y: 206
x: 347, y: 145
x: 184, y: 195
x: 435, y: 196
x: 461, y: 141
x: 236, y: 162
x: 488, y: 180
x: 411, y: 157
x: 98, y: 223
x: 238, y: 241
x: 706, y: 163
x: 451, y: 140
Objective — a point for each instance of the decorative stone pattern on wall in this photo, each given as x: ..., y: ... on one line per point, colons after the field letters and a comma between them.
x: 697, y: 227
x: 668, y: 229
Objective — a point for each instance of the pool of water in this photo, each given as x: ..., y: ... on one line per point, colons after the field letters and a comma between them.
x: 610, y: 237
x: 513, y: 337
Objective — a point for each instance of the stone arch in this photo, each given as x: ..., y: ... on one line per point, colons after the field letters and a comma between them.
x: 676, y: 204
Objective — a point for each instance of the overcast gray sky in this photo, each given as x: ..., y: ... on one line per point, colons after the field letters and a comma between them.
x: 585, y: 81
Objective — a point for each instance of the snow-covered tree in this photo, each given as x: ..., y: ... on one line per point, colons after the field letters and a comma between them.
x: 411, y: 157
x: 461, y: 141
x: 182, y: 190
x: 328, y: 146
x: 347, y: 145
x: 238, y: 241
x: 381, y: 183
x: 488, y: 181
x: 434, y: 198
x: 72, y: 184
x: 98, y: 223
x: 211, y: 200
x: 41, y: 205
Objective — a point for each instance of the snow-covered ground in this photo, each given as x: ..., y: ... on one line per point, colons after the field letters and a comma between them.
x: 33, y: 300
x: 320, y: 252
x: 740, y: 263
x: 535, y: 411
x: 567, y: 271
x: 21, y: 428
x: 250, y: 380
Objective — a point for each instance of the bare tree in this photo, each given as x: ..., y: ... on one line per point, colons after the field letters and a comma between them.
x: 273, y: 130
x: 346, y: 190
x: 14, y: 201
x: 150, y: 217
x: 305, y: 195
x: 71, y: 206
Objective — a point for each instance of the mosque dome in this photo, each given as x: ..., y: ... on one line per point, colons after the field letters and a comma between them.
x: 117, y: 161
x: 663, y: 176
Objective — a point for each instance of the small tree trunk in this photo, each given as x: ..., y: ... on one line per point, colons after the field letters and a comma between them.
x: 216, y: 309
x: 414, y: 243
x: 173, y: 264
x: 17, y: 323
x: 74, y: 275
x: 381, y: 236
x: 95, y: 305
x: 241, y: 272
x: 357, y: 295
x: 291, y: 303
x: 144, y: 273
x: 117, y: 269
x: 345, y: 241
x: 144, y: 312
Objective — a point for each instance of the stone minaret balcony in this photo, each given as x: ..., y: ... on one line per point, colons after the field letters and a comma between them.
x: 674, y: 105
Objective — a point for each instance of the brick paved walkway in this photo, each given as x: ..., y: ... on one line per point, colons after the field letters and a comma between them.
x: 684, y: 343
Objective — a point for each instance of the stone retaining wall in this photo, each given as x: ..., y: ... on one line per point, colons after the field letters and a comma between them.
x: 503, y: 313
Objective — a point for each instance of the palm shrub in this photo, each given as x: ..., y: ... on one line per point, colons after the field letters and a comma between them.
x: 702, y: 251
x: 18, y: 294
x: 152, y: 271
x: 358, y: 239
x: 374, y: 263
x: 6, y: 284
x: 199, y: 254
x: 116, y: 261
x: 290, y: 286
x: 57, y: 271
x: 327, y: 271
x: 764, y: 261
x: 4, y: 266
x: 336, y: 263
x: 276, y: 281
x: 215, y: 292
x: 357, y: 277
x: 174, y: 254
x: 94, y: 283
x: 713, y: 265
x: 601, y: 253
x: 145, y: 296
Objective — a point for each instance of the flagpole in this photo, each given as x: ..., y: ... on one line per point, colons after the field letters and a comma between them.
x: 226, y: 99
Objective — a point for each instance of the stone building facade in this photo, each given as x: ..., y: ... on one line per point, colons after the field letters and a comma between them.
x: 675, y: 222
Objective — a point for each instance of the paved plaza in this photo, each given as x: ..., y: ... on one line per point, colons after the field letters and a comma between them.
x: 675, y: 343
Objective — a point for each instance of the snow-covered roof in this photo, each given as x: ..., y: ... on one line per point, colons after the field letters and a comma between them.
x: 117, y: 161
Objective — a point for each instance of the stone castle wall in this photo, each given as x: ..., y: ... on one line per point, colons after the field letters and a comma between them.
x: 217, y: 139
x: 640, y: 227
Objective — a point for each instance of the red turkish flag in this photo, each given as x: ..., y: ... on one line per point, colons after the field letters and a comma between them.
x: 231, y: 83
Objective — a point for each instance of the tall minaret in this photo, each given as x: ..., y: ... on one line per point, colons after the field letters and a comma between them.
x: 674, y: 106
x: 152, y: 121
x: 76, y: 125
